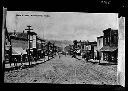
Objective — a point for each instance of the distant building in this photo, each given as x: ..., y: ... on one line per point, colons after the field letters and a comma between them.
x: 83, y: 46
x: 95, y: 51
x: 99, y: 46
x: 91, y: 47
x: 110, y: 45
x: 88, y: 48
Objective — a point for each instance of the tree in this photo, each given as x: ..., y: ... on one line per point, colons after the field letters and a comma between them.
x: 75, y: 42
x: 74, y: 47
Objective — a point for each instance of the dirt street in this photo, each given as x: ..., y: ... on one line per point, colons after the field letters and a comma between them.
x: 64, y: 70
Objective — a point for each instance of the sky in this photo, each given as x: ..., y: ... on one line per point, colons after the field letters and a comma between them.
x: 63, y: 25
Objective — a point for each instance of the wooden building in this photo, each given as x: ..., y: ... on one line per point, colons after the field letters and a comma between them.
x: 19, y: 43
x: 90, y: 49
x: 40, y: 47
x: 99, y: 46
x: 87, y: 48
x: 110, y: 45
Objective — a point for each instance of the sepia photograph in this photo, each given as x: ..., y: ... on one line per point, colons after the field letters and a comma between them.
x: 62, y: 47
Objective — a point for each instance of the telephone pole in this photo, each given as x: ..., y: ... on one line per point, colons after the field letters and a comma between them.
x: 28, y: 33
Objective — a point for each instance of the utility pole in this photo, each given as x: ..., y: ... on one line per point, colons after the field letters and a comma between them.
x: 28, y: 33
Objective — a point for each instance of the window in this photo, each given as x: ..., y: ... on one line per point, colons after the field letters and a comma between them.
x: 104, y: 41
x: 84, y: 47
x: 115, y: 40
x: 99, y: 42
x: 112, y: 39
x: 89, y: 47
x: 31, y: 44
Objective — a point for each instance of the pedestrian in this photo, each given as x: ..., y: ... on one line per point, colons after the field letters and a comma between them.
x: 59, y: 55
x: 87, y: 57
x: 83, y: 55
x: 65, y: 54
x: 15, y: 61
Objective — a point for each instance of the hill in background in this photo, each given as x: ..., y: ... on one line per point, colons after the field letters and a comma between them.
x: 61, y: 43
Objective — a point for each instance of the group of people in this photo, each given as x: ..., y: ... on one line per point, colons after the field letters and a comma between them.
x: 61, y: 53
x: 84, y: 56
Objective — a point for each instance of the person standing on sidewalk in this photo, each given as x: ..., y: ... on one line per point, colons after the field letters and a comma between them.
x: 59, y: 54
x: 83, y: 56
x: 87, y: 58
x: 15, y: 61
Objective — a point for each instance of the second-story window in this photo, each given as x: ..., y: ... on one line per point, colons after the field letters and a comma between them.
x: 112, y: 39
x: 115, y: 40
x: 99, y: 42
x: 104, y: 41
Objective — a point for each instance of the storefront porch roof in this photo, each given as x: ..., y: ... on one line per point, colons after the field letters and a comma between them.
x: 108, y: 48
x: 18, y: 51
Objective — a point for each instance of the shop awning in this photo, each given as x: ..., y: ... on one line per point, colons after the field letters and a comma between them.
x: 18, y: 51
x: 108, y: 48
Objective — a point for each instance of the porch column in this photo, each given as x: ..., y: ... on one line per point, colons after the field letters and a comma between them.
x: 101, y: 56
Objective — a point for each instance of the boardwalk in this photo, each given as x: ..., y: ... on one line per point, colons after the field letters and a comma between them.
x: 64, y: 70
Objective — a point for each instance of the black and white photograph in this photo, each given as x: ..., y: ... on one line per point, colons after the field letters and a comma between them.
x: 62, y: 47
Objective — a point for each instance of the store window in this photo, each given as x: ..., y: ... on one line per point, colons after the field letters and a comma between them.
x: 104, y: 41
x: 99, y: 42
x: 31, y: 44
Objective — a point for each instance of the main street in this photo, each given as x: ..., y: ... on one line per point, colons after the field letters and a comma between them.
x: 64, y: 70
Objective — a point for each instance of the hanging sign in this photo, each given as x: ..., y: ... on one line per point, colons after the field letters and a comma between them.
x: 89, y: 47
x: 34, y: 41
x: 31, y: 37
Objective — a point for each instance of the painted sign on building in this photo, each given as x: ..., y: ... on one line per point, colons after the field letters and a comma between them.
x: 84, y: 47
x: 89, y: 47
x: 34, y: 41
x: 31, y: 38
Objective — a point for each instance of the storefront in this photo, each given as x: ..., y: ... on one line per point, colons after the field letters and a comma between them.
x: 109, y: 53
x: 18, y: 52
